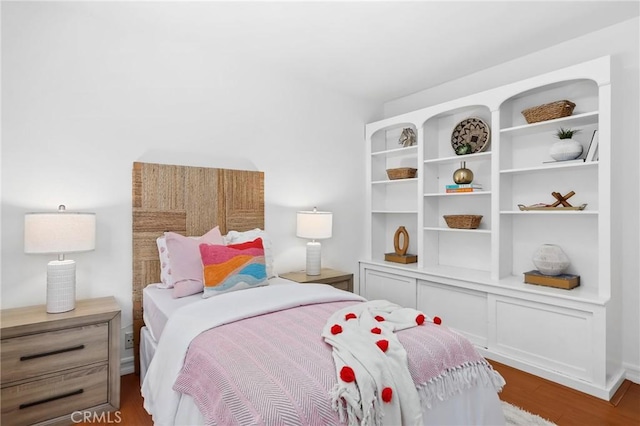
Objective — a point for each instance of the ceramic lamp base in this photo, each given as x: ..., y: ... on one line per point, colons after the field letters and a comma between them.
x: 314, y: 255
x: 61, y: 286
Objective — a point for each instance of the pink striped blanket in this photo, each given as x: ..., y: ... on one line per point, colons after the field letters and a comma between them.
x: 275, y: 368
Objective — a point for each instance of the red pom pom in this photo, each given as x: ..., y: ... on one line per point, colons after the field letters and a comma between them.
x: 336, y: 329
x: 437, y: 320
x: 383, y: 345
x: 376, y: 330
x: 347, y: 374
x: 379, y: 318
x: 387, y: 393
x: 420, y: 319
x: 349, y: 316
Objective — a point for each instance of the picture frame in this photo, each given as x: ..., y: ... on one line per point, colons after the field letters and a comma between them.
x: 592, y: 152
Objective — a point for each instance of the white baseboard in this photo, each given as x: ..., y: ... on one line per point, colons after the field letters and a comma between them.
x: 127, y: 366
x: 632, y: 372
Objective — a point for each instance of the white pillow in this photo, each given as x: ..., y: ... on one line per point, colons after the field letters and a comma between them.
x: 235, y: 237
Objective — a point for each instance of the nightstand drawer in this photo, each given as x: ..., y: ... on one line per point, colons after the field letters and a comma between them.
x: 56, y: 396
x: 36, y: 354
x: 342, y: 285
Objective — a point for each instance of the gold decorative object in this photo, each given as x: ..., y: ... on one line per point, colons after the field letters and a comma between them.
x: 400, y: 255
x: 463, y: 175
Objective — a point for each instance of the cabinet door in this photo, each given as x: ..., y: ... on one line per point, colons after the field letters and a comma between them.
x: 552, y: 337
x: 391, y: 287
x: 462, y: 310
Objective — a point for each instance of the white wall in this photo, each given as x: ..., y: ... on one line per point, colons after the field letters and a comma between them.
x: 622, y: 43
x: 83, y: 100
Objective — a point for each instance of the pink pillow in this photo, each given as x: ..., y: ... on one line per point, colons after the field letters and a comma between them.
x: 186, y: 264
x: 186, y: 288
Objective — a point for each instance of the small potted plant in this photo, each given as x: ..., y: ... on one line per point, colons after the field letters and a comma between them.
x: 565, y: 148
x: 563, y: 133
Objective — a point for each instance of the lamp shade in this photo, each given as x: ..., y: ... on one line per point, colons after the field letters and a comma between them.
x: 314, y: 225
x: 60, y: 232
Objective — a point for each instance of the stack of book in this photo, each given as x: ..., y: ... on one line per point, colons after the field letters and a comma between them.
x: 463, y: 187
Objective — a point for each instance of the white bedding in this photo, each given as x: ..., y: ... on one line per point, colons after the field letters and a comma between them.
x: 477, y: 406
x: 148, y: 347
x: 159, y: 304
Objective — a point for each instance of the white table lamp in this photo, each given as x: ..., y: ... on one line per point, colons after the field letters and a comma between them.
x: 59, y: 233
x: 314, y: 225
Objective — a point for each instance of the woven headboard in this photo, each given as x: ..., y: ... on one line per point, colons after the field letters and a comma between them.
x: 189, y: 201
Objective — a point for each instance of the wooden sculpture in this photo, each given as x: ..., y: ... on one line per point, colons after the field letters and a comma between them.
x: 400, y: 255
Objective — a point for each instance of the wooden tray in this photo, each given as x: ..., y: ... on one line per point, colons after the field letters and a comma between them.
x: 522, y: 207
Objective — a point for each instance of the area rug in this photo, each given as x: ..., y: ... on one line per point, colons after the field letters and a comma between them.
x: 516, y: 416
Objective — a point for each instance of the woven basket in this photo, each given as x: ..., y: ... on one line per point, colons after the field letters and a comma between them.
x: 463, y: 221
x: 550, y: 111
x: 401, y: 173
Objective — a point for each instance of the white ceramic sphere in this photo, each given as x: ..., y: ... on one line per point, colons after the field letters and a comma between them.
x: 565, y: 149
x: 549, y: 259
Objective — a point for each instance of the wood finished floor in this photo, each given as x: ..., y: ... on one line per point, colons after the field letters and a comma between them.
x: 554, y: 402
x: 565, y: 406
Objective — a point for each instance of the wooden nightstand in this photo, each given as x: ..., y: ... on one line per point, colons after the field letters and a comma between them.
x: 56, y: 364
x: 338, y: 279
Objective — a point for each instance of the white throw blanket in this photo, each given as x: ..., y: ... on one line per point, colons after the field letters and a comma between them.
x: 184, y: 325
x: 374, y: 383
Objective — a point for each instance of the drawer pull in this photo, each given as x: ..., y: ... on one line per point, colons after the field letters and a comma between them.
x: 59, y: 351
x: 53, y: 398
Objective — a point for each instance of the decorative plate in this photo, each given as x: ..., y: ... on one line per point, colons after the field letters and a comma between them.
x: 470, y: 135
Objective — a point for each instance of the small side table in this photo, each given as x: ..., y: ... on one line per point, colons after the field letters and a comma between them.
x: 56, y: 364
x: 338, y: 279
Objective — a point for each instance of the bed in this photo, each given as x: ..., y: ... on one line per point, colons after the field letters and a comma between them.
x: 261, y: 355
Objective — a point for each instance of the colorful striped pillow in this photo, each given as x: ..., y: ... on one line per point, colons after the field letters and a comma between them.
x: 233, y: 267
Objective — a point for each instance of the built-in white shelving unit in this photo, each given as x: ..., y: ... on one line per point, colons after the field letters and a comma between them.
x: 473, y: 278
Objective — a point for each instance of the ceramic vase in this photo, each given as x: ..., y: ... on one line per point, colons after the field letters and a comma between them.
x: 549, y: 259
x: 565, y: 149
